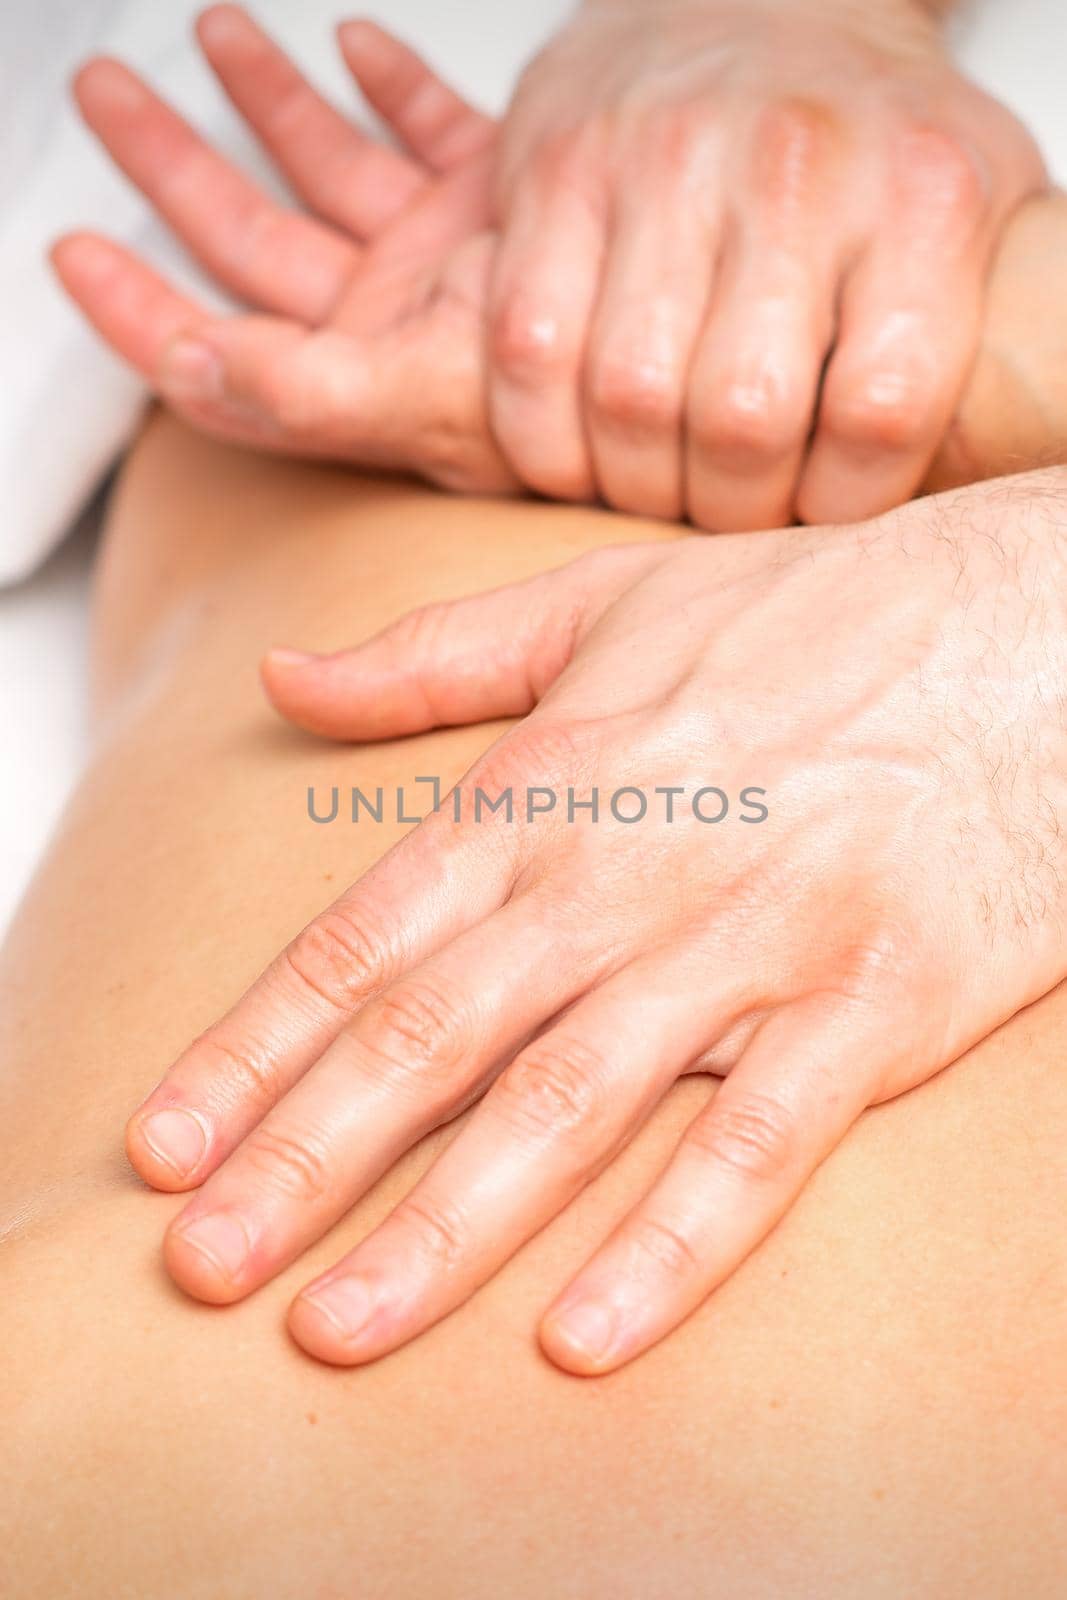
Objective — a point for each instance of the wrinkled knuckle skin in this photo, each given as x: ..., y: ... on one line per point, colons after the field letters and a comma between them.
x: 441, y: 1231
x: 553, y: 1090
x: 666, y: 1247
x: 635, y: 394
x: 294, y: 1167
x: 416, y: 1026
x: 247, y: 1073
x: 542, y: 751
x: 752, y: 1137
x: 340, y: 956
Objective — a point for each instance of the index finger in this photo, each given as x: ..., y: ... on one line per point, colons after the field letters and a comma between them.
x: 434, y: 884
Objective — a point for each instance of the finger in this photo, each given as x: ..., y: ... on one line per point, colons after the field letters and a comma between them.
x: 801, y: 1084
x: 652, y: 301
x: 754, y: 383
x: 164, y: 335
x: 136, y: 311
x: 909, y: 323
x: 541, y: 301
x: 411, y: 1060
x: 347, y: 177
x: 271, y: 257
x: 548, y: 1124
x: 457, y: 661
x: 436, y: 124
x: 438, y: 881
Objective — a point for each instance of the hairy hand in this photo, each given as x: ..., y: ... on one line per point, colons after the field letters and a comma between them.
x: 829, y: 769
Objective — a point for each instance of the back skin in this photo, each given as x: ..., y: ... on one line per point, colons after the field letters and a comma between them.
x: 875, y: 1405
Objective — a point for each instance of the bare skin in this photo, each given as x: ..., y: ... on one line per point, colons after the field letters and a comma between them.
x: 873, y: 1405
x: 373, y: 330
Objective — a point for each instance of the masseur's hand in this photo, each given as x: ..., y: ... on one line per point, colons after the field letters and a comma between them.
x: 369, y: 338
x: 894, y: 694
x: 363, y: 339
x: 744, y: 247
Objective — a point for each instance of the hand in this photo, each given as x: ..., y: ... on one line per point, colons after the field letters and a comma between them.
x: 366, y: 344
x: 704, y: 203
x: 373, y: 353
x: 904, y: 894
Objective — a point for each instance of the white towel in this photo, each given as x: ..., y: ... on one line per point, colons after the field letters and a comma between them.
x: 66, y: 405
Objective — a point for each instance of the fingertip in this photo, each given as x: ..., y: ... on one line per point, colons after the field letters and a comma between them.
x: 582, y: 1339
x: 206, y: 1256
x: 218, y: 24
x: 104, y: 82
x: 318, y: 1334
x: 167, y: 1147
x: 307, y: 697
x: 365, y: 44
x: 82, y: 254
x: 279, y: 669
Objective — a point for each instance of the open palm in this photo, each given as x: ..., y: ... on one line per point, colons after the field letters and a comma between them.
x: 363, y: 341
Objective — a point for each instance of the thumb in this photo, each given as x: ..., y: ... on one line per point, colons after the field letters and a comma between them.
x: 456, y: 661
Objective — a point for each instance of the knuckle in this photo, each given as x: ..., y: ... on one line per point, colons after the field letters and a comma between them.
x: 293, y: 1165
x: 441, y: 1230
x: 667, y: 138
x: 885, y: 410
x: 882, y: 967
x: 341, y: 957
x: 755, y: 418
x: 666, y: 1246
x: 638, y: 393
x: 563, y: 159
x: 531, y: 342
x: 415, y: 1025
x: 942, y: 174
x: 552, y: 1090
x: 543, y: 750
x: 751, y: 1135
x: 247, y: 1073
x: 792, y: 142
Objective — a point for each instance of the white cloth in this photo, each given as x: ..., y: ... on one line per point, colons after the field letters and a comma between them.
x: 66, y: 405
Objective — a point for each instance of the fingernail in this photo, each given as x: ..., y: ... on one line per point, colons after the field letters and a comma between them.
x: 589, y: 1327
x: 284, y: 657
x: 346, y: 1302
x: 192, y: 370
x: 176, y: 1137
x: 220, y: 1237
